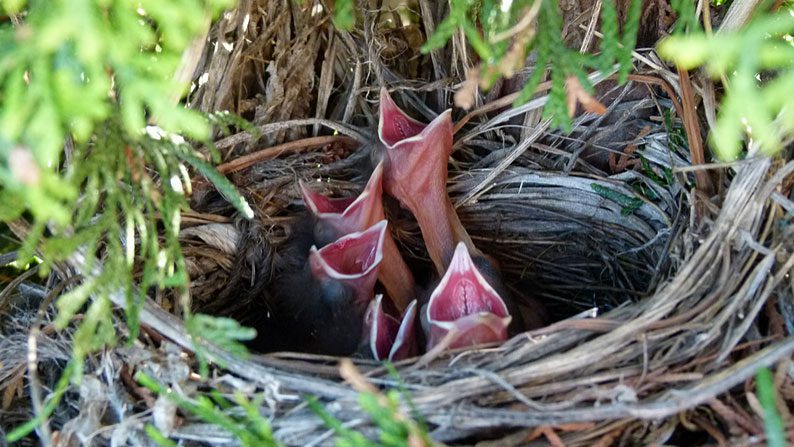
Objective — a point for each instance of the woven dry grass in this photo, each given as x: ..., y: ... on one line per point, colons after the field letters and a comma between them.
x: 660, y: 315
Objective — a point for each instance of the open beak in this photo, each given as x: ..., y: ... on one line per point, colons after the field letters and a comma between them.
x: 337, y: 217
x: 353, y: 260
x: 415, y: 173
x: 349, y: 214
x: 390, y: 338
x: 465, y: 306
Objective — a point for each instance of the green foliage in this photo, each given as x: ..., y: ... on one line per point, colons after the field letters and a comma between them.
x: 661, y: 176
x: 224, y: 186
x: 676, y: 136
x: 123, y: 197
x: 223, y: 332
x: 248, y: 425
x: 344, y: 17
x: 157, y: 436
x: 346, y: 436
x: 227, y: 123
x: 628, y: 204
x: 666, y: 179
x: 394, y: 430
x: 72, y: 65
x: 758, y: 63
x: 394, y: 374
x: 687, y: 17
x: 773, y: 424
x: 502, y: 39
x: 79, y: 82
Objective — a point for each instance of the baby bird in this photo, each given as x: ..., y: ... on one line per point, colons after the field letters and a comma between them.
x: 336, y: 217
x: 415, y: 159
x: 319, y: 296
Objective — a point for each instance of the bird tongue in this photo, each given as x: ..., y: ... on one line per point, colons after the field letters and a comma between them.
x: 466, y: 305
x: 353, y: 259
x: 390, y: 338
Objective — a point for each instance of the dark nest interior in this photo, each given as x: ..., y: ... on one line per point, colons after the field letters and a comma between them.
x: 660, y: 302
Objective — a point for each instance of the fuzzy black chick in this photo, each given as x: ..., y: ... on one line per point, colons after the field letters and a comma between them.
x: 317, y: 298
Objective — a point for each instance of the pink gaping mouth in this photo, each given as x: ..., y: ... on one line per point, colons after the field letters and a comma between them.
x: 465, y: 304
x: 349, y: 214
x: 337, y: 217
x: 353, y: 259
x: 415, y: 173
x: 391, y: 338
x: 394, y: 125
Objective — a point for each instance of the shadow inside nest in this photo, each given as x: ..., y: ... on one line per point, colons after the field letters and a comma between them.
x: 567, y: 242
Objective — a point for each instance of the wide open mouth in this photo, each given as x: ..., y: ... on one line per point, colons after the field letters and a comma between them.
x: 351, y: 256
x: 563, y: 246
x: 463, y: 291
x: 394, y: 125
x: 391, y: 338
x: 319, y: 204
x: 349, y: 214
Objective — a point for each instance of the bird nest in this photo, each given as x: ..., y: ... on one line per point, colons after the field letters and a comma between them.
x: 662, y: 289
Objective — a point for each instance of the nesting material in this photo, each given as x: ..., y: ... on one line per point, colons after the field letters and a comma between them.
x: 660, y: 304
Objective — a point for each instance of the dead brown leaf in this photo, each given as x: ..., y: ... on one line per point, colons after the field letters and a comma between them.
x: 14, y: 388
x: 465, y: 96
x: 576, y: 93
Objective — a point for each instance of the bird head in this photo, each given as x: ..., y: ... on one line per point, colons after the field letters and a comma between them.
x: 413, y: 150
x: 352, y: 260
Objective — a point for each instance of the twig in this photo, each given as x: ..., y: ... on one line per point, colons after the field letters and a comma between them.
x: 45, y: 435
x: 497, y: 104
x: 731, y: 416
x: 5, y: 294
x: 715, y: 433
x: 524, y: 23
x: 708, y: 166
x: 349, y: 372
x: 692, y: 128
x: 7, y: 258
x: 296, y: 146
x: 189, y: 217
x: 609, y: 439
x: 548, y: 433
x: 246, y: 137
